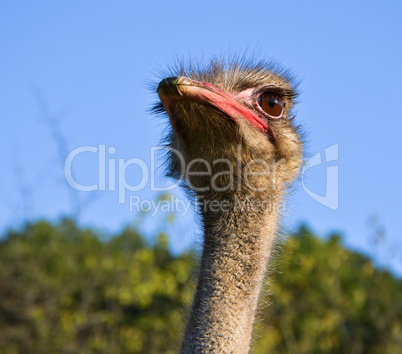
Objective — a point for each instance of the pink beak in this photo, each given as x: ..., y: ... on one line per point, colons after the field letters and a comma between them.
x: 173, y: 89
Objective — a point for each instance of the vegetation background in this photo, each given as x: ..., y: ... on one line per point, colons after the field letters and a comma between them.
x: 65, y: 289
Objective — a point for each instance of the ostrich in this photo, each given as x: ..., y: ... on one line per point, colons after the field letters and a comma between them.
x: 235, y: 148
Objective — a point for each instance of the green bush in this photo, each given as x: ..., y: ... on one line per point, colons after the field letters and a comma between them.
x: 65, y: 290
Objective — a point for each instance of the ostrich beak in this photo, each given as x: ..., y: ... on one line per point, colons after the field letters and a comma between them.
x: 173, y: 89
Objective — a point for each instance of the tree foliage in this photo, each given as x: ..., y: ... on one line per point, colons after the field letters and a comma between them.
x: 66, y: 290
x: 327, y: 299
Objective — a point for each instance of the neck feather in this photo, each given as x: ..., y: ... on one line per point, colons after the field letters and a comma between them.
x: 239, y: 236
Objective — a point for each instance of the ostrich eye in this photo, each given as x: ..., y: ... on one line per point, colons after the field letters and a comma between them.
x: 272, y: 104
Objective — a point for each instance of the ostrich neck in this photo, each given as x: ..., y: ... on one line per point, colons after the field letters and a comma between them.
x: 237, y: 245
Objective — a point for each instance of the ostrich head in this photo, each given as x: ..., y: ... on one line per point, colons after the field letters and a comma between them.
x: 231, y: 122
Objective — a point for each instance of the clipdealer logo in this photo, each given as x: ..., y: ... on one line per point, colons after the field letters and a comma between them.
x: 112, y: 175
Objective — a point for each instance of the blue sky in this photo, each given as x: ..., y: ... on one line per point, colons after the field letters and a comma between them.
x: 85, y: 66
